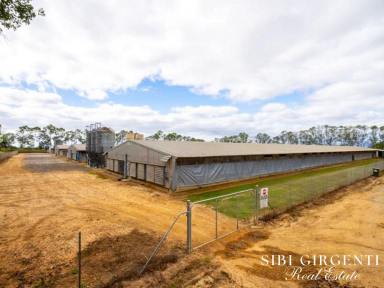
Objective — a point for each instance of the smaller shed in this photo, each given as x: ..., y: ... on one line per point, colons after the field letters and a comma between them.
x: 77, y: 152
x: 61, y: 150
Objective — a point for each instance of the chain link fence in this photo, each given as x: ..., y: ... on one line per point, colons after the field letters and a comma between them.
x: 226, y: 214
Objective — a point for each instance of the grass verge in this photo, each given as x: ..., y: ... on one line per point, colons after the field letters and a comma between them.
x: 289, y: 189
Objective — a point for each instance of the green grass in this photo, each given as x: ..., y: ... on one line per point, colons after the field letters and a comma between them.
x: 23, y: 150
x: 288, y: 190
x: 6, y: 149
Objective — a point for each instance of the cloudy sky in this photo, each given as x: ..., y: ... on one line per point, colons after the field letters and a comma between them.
x: 201, y: 68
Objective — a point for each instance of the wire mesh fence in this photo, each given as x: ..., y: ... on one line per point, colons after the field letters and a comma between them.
x: 223, y: 215
x: 226, y: 214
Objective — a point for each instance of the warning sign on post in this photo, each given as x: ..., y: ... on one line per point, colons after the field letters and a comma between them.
x: 264, y: 197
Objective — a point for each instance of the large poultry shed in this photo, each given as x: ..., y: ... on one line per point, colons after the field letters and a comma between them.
x: 179, y: 165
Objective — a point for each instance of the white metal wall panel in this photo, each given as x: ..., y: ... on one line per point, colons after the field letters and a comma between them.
x: 159, y: 175
x: 132, y: 170
x: 361, y: 156
x: 137, y: 153
x: 150, y: 173
x: 115, y: 165
x: 140, y: 171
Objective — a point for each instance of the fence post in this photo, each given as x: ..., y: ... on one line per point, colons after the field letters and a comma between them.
x: 79, y: 261
x: 256, y: 214
x: 237, y: 213
x: 189, y: 227
x: 216, y: 214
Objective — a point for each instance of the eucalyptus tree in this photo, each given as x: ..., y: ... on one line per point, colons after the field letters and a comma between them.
x: 14, y: 13
x: 262, y: 138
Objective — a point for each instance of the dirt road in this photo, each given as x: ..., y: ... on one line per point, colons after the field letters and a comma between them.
x: 45, y: 201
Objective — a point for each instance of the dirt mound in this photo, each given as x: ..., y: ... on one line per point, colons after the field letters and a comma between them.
x: 196, y: 270
x: 232, y: 248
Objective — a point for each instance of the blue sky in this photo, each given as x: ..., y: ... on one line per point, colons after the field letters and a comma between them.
x: 201, y: 68
x: 161, y: 96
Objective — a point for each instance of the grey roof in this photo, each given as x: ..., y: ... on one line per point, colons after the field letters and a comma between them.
x: 78, y: 147
x: 61, y: 147
x: 212, y: 149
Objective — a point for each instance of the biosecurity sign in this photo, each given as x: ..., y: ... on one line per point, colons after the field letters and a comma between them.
x: 264, y: 197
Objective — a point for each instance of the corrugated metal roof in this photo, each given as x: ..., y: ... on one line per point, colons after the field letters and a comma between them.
x: 213, y: 149
x: 78, y: 147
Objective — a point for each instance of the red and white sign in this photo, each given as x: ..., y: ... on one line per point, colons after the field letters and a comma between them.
x: 264, y: 192
x: 264, y: 197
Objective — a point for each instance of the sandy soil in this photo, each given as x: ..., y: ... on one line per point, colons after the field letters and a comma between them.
x: 45, y: 201
x: 349, y: 221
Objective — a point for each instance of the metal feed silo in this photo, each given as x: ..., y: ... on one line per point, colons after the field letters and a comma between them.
x: 105, y: 139
x: 88, y: 139
x: 99, y: 140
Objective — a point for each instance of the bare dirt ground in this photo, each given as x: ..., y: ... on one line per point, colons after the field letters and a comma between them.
x: 348, y: 221
x: 45, y: 201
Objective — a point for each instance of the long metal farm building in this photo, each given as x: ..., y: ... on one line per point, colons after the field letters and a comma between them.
x: 184, y: 165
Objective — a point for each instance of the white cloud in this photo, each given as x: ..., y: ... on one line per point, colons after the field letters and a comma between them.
x: 27, y: 107
x: 274, y: 107
x: 252, y: 49
x: 248, y: 49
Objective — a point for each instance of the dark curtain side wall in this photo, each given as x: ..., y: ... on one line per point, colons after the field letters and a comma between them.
x: 206, y: 172
x: 81, y: 156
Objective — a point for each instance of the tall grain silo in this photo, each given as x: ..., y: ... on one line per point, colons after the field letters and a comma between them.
x: 99, y: 140
x: 88, y: 138
x: 105, y: 139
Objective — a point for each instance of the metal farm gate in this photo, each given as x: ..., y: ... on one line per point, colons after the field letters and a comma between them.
x: 223, y: 215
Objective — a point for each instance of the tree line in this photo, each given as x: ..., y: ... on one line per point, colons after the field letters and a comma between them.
x: 172, y: 136
x: 359, y: 135
x: 41, y: 137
